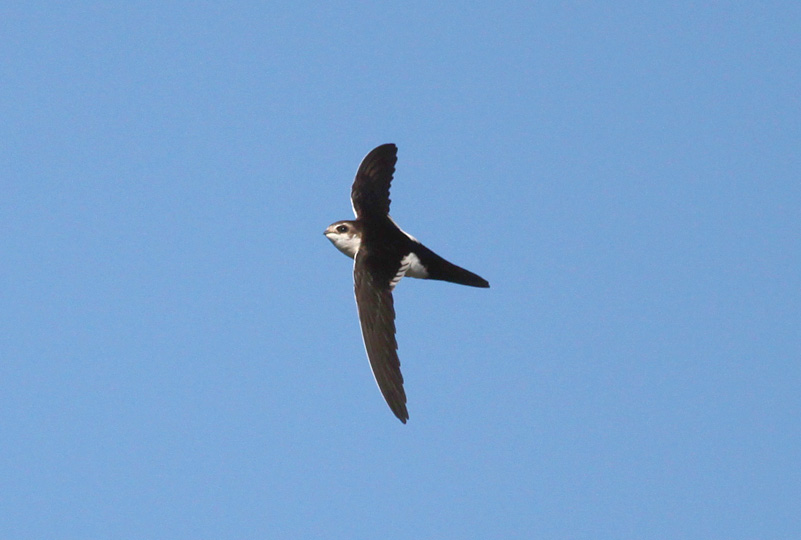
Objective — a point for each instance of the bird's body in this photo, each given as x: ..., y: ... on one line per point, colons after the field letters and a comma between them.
x: 383, y: 254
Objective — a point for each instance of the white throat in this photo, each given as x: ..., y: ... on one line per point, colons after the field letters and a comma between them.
x: 345, y: 242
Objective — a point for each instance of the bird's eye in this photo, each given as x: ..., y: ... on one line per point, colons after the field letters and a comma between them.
x: 342, y: 228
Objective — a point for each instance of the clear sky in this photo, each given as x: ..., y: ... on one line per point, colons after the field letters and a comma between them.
x: 180, y: 355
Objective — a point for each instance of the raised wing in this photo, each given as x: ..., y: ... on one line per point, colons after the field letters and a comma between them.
x: 377, y: 317
x: 370, y: 191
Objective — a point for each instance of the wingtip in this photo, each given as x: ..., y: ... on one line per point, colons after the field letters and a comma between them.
x: 401, y: 413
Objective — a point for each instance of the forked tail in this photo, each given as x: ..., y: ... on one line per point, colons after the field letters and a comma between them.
x: 439, y: 268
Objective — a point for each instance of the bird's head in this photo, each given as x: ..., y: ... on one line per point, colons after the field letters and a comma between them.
x: 346, y: 236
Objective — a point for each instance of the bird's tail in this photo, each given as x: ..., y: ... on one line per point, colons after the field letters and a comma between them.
x: 439, y: 268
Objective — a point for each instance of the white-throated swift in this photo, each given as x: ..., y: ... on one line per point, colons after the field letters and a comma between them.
x: 383, y: 254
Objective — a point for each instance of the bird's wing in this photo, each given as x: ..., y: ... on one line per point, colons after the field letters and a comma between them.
x: 370, y: 192
x: 377, y: 317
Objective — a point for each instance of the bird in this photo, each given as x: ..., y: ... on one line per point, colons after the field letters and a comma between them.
x: 383, y: 254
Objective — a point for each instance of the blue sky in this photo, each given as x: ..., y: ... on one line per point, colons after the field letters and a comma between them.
x: 180, y: 354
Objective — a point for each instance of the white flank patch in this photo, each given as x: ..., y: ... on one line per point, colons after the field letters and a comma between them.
x: 416, y: 268
x: 404, y: 267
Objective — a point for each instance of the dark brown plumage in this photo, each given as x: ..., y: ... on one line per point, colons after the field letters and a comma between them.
x: 383, y: 254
